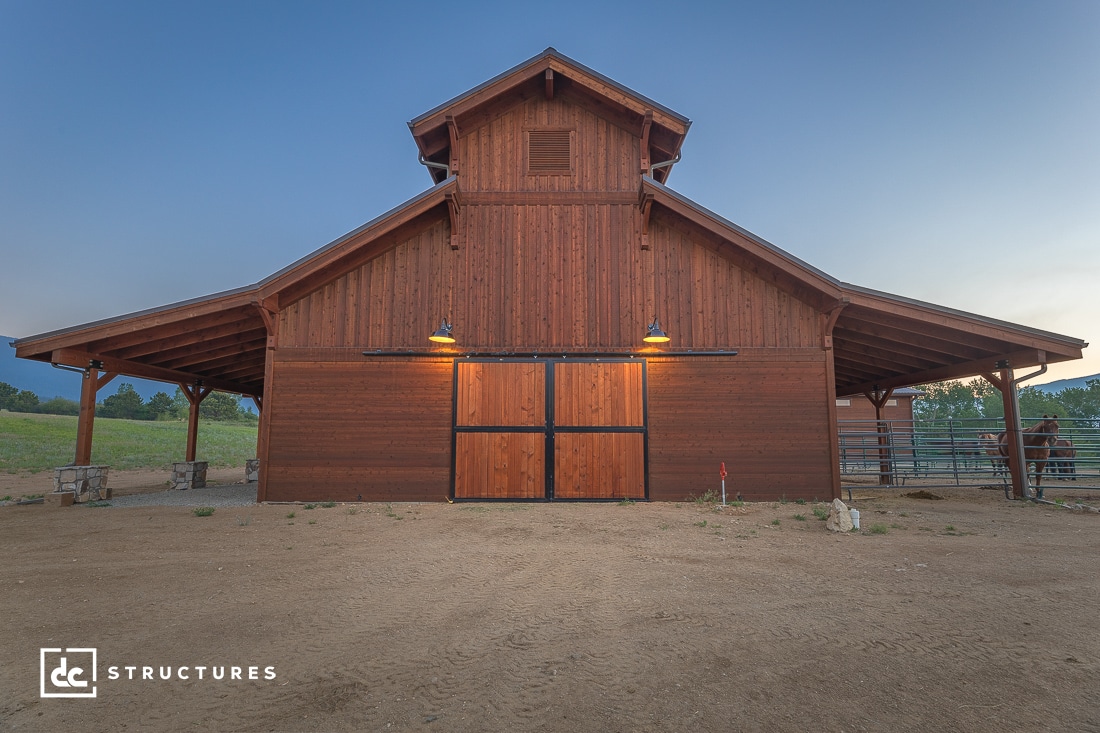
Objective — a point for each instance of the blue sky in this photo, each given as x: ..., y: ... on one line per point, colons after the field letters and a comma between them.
x: 945, y: 151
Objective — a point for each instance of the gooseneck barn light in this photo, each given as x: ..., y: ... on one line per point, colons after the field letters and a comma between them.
x: 443, y: 334
x: 654, y: 334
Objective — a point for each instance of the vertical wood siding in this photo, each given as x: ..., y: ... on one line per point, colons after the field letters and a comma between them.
x: 764, y: 413
x: 345, y: 429
x: 705, y: 300
x: 598, y: 394
x: 538, y: 278
x: 500, y: 465
x: 501, y: 394
x: 599, y: 466
x: 493, y: 155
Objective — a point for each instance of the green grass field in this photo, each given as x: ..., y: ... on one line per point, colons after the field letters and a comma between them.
x: 31, y: 442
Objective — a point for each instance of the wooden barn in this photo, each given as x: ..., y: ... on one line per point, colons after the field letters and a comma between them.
x: 546, y: 256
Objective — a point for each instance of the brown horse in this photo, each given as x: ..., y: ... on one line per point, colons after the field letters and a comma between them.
x: 1037, y: 441
x: 1063, y: 458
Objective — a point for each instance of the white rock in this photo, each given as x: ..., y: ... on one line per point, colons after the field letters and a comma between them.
x: 840, y: 519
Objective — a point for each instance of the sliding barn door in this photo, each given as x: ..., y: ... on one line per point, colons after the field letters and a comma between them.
x: 599, y: 430
x: 549, y: 429
x: 500, y: 430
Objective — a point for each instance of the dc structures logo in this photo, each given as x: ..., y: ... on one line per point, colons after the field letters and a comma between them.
x: 67, y: 672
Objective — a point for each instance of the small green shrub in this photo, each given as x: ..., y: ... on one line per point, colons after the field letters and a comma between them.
x: 710, y: 496
x: 310, y: 506
x: 800, y: 517
x: 879, y: 529
x: 821, y: 513
x: 775, y: 522
x: 328, y: 504
x: 203, y: 511
x: 290, y: 516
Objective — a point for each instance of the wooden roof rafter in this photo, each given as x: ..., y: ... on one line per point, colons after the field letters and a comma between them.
x: 210, y: 354
x: 140, y: 344
x: 885, y: 353
x: 870, y: 334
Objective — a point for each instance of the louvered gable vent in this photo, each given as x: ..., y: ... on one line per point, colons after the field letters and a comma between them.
x: 549, y: 151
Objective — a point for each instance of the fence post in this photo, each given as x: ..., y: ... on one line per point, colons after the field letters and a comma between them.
x: 954, y: 452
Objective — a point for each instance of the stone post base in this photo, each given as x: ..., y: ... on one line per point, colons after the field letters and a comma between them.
x: 252, y: 470
x: 189, y: 475
x: 85, y: 483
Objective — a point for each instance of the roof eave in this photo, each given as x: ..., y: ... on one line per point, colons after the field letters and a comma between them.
x: 860, y: 295
x: 38, y: 344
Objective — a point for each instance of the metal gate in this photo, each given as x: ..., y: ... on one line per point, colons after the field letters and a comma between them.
x: 956, y: 453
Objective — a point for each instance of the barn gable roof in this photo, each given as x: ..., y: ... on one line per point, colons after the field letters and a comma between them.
x: 879, y: 340
x: 550, y: 73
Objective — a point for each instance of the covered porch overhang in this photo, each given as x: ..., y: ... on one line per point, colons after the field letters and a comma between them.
x: 883, y: 341
x: 213, y: 343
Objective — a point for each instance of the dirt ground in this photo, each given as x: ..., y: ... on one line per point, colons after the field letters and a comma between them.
x: 970, y: 613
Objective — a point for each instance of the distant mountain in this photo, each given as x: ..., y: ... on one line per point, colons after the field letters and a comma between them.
x: 47, y: 382
x: 1058, y: 386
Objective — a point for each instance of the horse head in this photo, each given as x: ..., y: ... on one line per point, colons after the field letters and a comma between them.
x: 1050, y: 427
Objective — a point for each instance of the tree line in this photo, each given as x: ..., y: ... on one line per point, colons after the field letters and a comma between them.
x: 126, y: 403
x: 978, y: 399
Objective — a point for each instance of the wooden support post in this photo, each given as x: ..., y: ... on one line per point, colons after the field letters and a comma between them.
x: 195, y: 395
x: 879, y: 398
x: 270, y: 313
x: 86, y: 420
x: 828, y: 321
x: 1016, y: 465
x: 89, y: 388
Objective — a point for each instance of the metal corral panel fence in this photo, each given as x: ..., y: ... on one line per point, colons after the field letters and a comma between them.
x: 957, y: 453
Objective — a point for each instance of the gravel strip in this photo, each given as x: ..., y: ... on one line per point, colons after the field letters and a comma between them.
x: 215, y: 496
